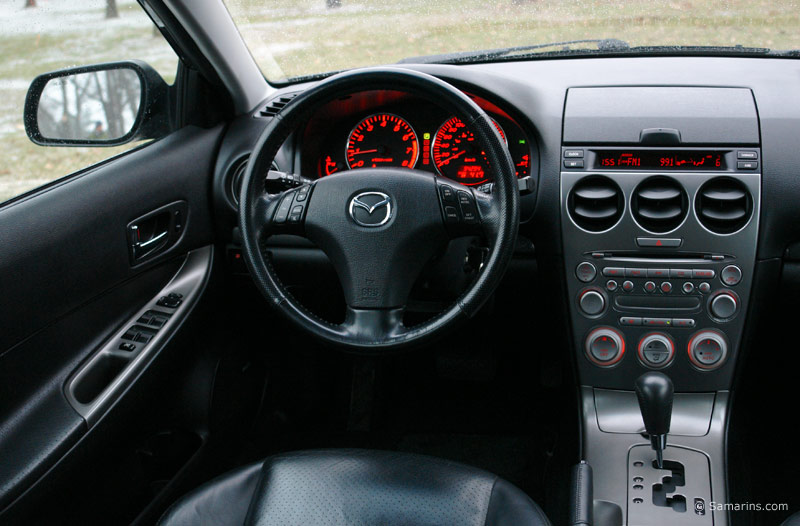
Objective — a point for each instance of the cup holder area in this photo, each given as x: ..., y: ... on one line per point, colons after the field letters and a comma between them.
x: 97, y: 376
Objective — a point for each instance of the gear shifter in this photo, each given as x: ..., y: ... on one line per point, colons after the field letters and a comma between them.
x: 654, y: 391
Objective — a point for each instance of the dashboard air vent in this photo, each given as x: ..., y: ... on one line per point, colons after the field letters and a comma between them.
x: 723, y: 205
x: 659, y: 204
x: 596, y: 203
x: 275, y: 106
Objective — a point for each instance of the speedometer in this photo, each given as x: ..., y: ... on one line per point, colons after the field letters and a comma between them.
x: 457, y: 154
x: 382, y: 139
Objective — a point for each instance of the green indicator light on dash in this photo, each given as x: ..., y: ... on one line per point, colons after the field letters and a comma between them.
x: 522, y: 141
x: 426, y: 136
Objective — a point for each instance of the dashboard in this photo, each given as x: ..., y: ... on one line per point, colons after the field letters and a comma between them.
x: 394, y: 129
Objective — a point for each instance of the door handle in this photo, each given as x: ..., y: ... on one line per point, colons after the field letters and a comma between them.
x: 156, y: 231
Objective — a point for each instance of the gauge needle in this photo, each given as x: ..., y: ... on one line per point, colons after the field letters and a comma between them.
x: 454, y: 156
x: 359, y: 152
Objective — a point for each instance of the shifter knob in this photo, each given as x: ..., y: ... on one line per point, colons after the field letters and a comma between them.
x: 654, y: 391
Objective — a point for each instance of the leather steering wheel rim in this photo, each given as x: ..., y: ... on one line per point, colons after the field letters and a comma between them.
x: 373, y: 330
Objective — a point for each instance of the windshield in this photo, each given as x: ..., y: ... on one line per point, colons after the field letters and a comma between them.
x: 295, y: 38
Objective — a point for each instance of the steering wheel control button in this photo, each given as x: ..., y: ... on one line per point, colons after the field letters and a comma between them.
x: 630, y: 321
x: 592, y: 302
x: 731, y: 275
x: 687, y: 287
x: 658, y: 273
x: 703, y: 273
x: 468, y: 209
x: 656, y: 350
x: 708, y: 349
x: 666, y: 287
x: 704, y: 287
x: 683, y: 323
x: 650, y: 287
x: 723, y: 306
x: 447, y: 193
x: 611, y: 285
x: 451, y: 214
x: 297, y: 213
x: 614, y: 272
x: 605, y: 346
x: 627, y: 285
x: 585, y: 272
x: 659, y: 242
x: 282, y: 213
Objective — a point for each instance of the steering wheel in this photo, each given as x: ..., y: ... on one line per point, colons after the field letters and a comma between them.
x: 379, y: 226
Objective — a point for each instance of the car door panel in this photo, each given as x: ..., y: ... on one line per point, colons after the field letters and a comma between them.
x: 67, y: 284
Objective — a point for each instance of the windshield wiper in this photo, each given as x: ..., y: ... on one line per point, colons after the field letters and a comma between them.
x: 602, y: 44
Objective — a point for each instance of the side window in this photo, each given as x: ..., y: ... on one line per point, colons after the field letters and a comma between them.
x: 40, y: 36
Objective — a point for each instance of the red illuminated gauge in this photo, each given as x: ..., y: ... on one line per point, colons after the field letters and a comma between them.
x: 383, y: 139
x: 457, y: 154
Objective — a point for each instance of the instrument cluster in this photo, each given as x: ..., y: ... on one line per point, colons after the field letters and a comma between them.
x: 394, y: 129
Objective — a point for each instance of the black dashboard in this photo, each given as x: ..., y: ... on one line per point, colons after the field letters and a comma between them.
x: 680, y: 135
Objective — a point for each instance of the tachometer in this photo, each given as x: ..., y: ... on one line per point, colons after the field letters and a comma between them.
x: 382, y: 139
x: 457, y: 154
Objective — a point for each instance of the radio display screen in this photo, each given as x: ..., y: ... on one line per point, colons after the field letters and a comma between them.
x: 659, y: 160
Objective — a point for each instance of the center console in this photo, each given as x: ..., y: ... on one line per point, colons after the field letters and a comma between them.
x: 660, y: 197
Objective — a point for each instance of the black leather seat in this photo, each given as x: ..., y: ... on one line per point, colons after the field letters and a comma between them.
x: 356, y: 487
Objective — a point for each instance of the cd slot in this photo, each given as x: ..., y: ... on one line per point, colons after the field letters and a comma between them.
x: 650, y: 303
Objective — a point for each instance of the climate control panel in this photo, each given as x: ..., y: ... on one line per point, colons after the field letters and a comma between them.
x: 661, y: 264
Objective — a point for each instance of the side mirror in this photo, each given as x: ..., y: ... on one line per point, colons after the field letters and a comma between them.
x: 101, y: 105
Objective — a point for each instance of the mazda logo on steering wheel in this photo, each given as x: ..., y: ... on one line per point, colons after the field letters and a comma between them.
x: 371, y: 209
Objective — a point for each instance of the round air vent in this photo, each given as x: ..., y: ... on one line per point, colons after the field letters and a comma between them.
x: 595, y: 203
x: 659, y: 204
x: 235, y: 178
x: 723, y: 205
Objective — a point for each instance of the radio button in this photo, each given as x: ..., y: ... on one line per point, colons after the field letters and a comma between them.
x: 747, y: 154
x: 680, y: 273
x: 666, y: 287
x: 627, y: 285
x: 688, y: 287
x: 630, y: 321
x: 614, y: 272
x: 650, y: 287
x: 747, y: 165
x: 572, y: 154
x: 657, y: 322
x: 585, y: 272
x: 611, y: 285
x: 731, y: 275
x: 703, y: 273
x: 658, y: 273
x: 636, y: 272
x: 704, y: 287
x: 573, y: 163
x: 723, y: 306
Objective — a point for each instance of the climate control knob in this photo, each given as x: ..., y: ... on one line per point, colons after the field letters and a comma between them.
x: 723, y: 306
x: 656, y: 350
x: 604, y: 346
x: 591, y: 302
x: 708, y: 349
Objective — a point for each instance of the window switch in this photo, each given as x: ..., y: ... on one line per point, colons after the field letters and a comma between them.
x: 127, y: 346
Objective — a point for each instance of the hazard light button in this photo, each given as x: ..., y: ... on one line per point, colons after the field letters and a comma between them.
x: 665, y: 242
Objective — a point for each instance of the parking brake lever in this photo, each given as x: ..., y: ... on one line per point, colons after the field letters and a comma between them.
x: 655, y: 391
